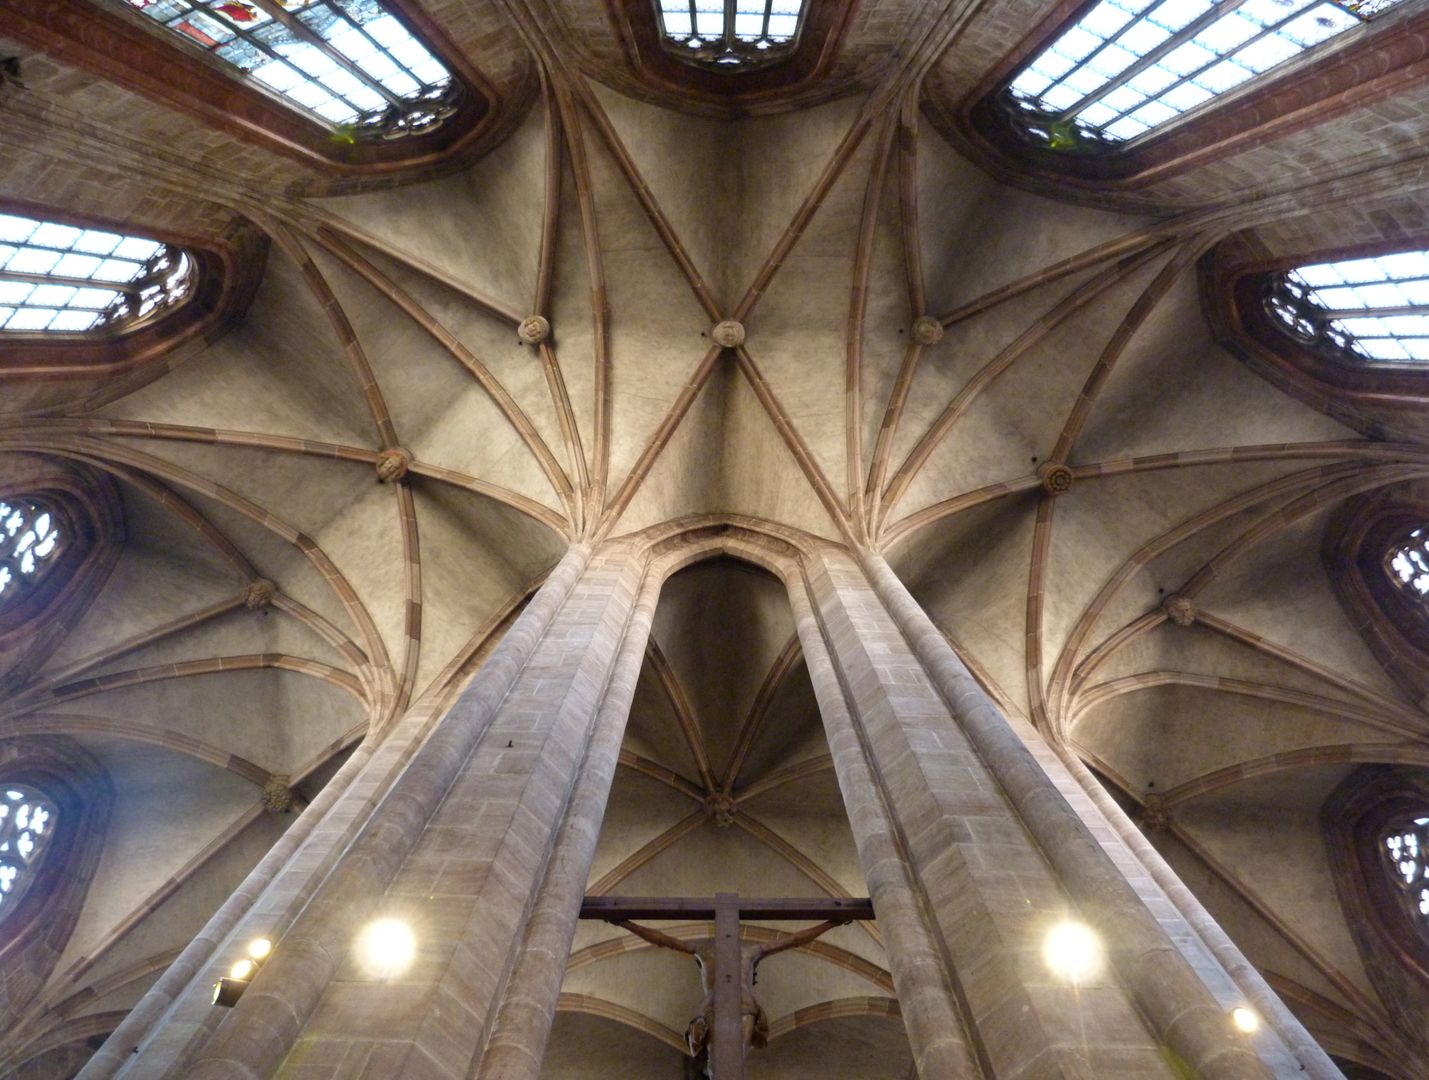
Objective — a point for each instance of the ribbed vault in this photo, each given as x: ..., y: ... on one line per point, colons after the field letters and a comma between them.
x: 332, y: 511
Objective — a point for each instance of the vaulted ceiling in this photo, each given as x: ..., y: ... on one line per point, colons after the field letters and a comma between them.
x: 826, y: 215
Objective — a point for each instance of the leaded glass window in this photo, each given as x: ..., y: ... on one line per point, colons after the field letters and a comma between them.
x: 1128, y: 67
x: 1408, y: 564
x: 1374, y: 309
x: 349, y: 64
x: 730, y: 34
x: 64, y: 279
x: 1406, y: 848
x: 30, y: 543
x: 27, y: 821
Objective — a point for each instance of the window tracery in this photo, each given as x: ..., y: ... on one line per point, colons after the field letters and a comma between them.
x: 730, y: 34
x: 1374, y: 309
x: 57, y: 278
x: 1128, y: 67
x: 1406, y: 847
x: 30, y: 541
x: 27, y: 821
x: 1408, y: 564
x: 349, y: 64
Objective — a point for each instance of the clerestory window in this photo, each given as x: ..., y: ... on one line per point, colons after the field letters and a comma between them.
x: 57, y: 278
x: 27, y: 821
x: 349, y: 64
x: 1406, y: 847
x: 1126, y: 68
x: 730, y: 35
x: 31, y: 540
x: 1408, y: 564
x: 1374, y: 309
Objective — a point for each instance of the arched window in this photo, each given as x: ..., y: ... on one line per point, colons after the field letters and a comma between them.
x: 1374, y: 309
x: 349, y: 64
x: 730, y: 34
x: 1128, y: 67
x: 27, y: 820
x: 1408, y: 564
x: 31, y: 540
x: 1406, y: 849
x: 58, y: 278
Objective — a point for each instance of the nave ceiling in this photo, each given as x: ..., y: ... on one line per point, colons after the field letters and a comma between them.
x: 826, y: 217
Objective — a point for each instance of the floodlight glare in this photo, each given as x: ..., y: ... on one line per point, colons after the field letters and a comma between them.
x: 386, y: 948
x: 1245, y: 1020
x: 1073, y: 952
x: 259, y: 948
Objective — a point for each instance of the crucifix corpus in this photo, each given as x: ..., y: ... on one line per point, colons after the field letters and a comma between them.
x: 731, y: 1019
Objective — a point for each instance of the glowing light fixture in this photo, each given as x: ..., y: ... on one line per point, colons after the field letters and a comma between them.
x: 229, y: 989
x: 1245, y: 1020
x: 1073, y: 952
x: 386, y: 948
x: 226, y: 992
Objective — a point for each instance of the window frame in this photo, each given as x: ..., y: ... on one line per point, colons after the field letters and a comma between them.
x: 131, y: 50
x: 1321, y: 84
x: 33, y: 934
x: 751, y: 61
x: 1354, y: 818
x: 223, y: 281
x: 90, y: 512
x: 62, y: 526
x: 107, y: 332
x: 1233, y: 284
x: 31, y: 794
x: 1393, y: 624
x: 642, y: 41
x: 301, y: 30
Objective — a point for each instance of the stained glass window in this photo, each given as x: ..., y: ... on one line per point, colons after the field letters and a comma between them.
x: 349, y: 64
x: 1374, y: 309
x: 1406, y: 848
x: 1408, y: 564
x: 30, y: 541
x: 62, y: 279
x: 1127, y: 67
x: 730, y: 34
x: 27, y: 821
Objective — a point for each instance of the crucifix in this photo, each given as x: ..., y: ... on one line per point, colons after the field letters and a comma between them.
x: 731, y: 1020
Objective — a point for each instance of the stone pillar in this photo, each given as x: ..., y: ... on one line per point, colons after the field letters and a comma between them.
x: 173, y: 1023
x: 997, y: 859
x: 523, y: 1023
x: 458, y: 848
x: 929, y: 998
x: 1162, y: 940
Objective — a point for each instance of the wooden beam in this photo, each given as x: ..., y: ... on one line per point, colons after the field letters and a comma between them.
x: 726, y: 1046
x: 672, y: 907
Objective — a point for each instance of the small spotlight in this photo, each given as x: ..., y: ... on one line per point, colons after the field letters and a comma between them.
x: 386, y: 948
x: 242, y: 971
x: 1073, y: 952
x: 1245, y: 1020
x: 259, y: 948
x: 226, y: 992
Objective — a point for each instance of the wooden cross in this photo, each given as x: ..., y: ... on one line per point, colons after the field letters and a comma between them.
x: 726, y: 1046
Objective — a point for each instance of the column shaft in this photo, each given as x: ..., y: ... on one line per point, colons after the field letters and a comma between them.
x: 471, y: 872
x: 993, y: 889
x: 528, y: 1007
x: 932, y: 1006
x: 257, y: 1034
x: 1166, y: 990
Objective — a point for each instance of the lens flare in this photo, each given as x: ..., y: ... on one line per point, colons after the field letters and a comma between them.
x: 1073, y: 952
x: 386, y: 948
